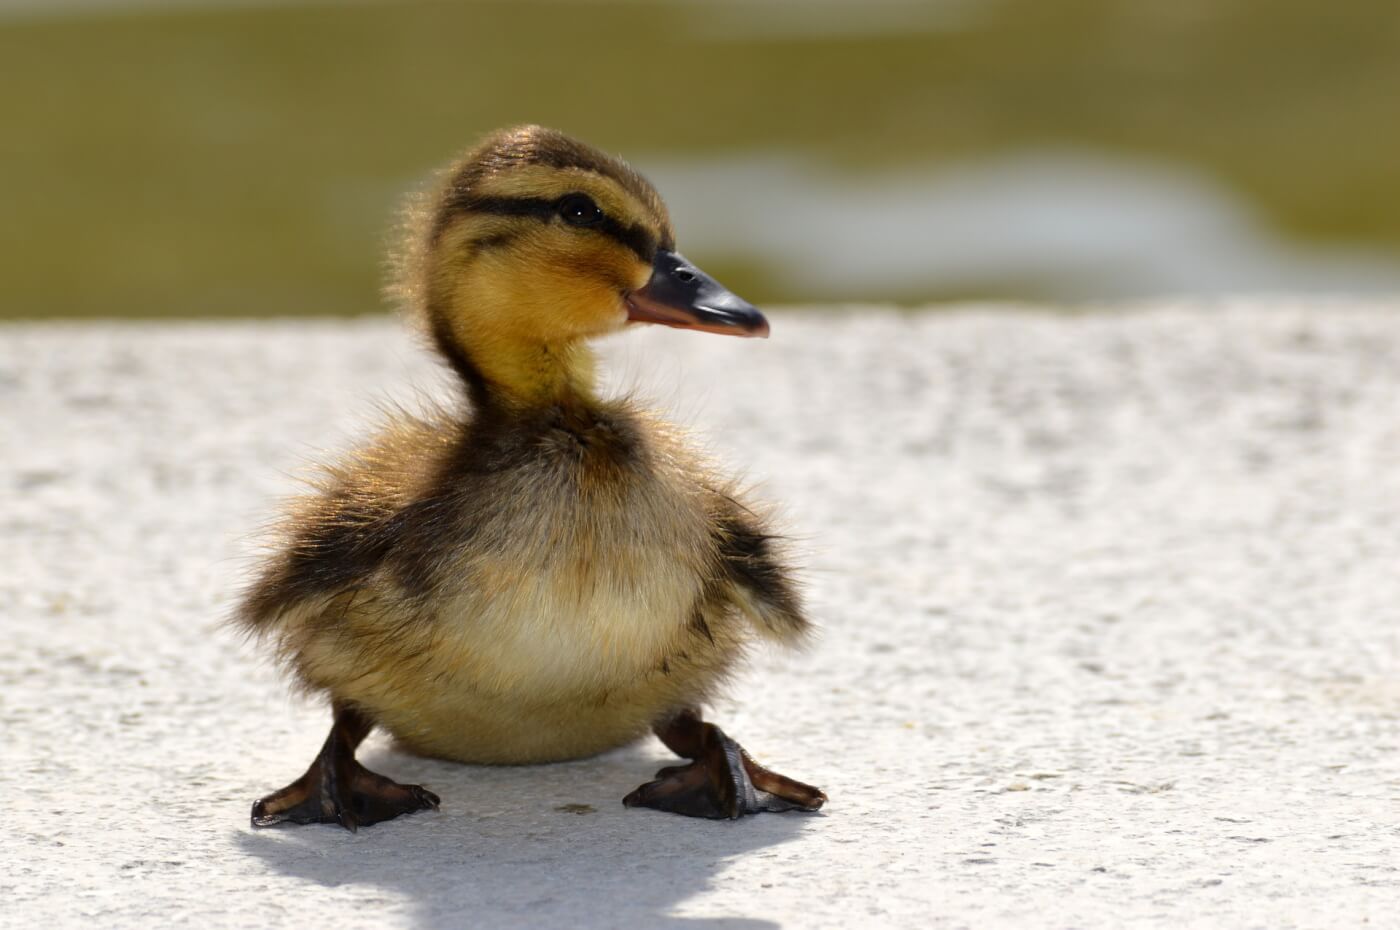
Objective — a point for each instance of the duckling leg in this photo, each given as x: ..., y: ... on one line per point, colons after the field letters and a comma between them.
x: 338, y: 789
x: 722, y: 782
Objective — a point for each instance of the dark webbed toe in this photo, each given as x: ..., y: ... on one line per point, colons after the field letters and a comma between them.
x: 338, y: 789
x: 684, y: 789
x: 375, y: 798
x: 362, y: 799
x: 780, y: 793
x: 299, y: 802
x: 722, y: 783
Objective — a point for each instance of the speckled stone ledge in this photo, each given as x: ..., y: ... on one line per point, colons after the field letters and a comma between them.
x: 1110, y: 609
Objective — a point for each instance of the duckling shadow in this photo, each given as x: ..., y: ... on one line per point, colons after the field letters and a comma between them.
x: 528, y: 846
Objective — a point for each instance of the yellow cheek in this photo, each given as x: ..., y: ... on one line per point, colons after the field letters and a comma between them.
x: 589, y: 285
x: 581, y: 304
x: 550, y: 284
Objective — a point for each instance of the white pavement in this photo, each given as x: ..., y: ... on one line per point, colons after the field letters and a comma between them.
x: 1111, y: 610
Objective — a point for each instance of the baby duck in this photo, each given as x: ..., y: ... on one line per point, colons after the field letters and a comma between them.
x: 543, y: 573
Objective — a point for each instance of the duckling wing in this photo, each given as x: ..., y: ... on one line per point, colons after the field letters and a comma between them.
x: 756, y: 577
x: 368, y: 513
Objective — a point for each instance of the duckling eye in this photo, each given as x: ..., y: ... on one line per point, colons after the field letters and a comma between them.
x: 580, y: 210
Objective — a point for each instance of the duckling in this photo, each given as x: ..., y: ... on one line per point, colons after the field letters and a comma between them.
x: 538, y: 573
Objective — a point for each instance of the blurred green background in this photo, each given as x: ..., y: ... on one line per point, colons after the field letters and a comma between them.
x: 194, y: 157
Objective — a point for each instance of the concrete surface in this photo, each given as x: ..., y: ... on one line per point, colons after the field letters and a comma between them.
x: 1110, y: 610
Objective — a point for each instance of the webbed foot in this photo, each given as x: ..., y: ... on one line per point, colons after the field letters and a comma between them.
x: 324, y: 796
x: 338, y: 789
x: 723, y: 782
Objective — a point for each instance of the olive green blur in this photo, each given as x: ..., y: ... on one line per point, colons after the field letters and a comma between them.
x: 249, y: 161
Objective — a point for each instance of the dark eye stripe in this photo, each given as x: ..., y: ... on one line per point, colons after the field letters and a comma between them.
x: 633, y: 236
x: 508, y: 206
x: 636, y: 238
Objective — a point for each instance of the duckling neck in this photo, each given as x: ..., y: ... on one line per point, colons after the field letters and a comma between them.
x: 524, y: 374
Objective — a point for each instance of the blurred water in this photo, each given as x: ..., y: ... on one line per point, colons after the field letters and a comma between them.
x: 1067, y: 225
x: 217, y: 157
x: 759, y: 20
x: 729, y: 18
x: 32, y: 8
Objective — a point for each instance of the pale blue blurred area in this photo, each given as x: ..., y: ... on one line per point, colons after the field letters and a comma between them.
x: 1076, y: 225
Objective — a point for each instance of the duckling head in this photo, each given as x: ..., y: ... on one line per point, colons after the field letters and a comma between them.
x: 533, y: 244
